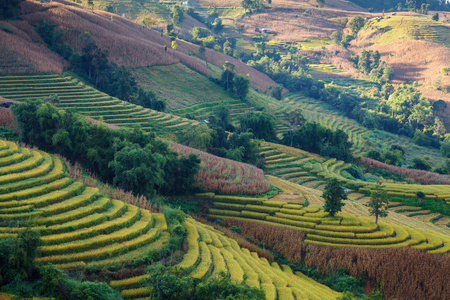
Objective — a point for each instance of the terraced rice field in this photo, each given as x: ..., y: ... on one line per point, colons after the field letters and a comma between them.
x: 82, y: 228
x: 78, y: 225
x: 78, y: 97
x: 210, y: 252
x: 342, y: 230
x: 291, y: 164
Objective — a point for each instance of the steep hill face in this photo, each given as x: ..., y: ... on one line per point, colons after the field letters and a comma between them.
x: 129, y: 44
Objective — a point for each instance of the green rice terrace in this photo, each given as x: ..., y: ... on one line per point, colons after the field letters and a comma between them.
x: 395, y: 28
x: 343, y: 230
x: 309, y: 172
x: 82, y: 228
x: 88, y: 101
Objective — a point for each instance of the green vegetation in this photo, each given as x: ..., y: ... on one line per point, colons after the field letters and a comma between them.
x: 120, y: 156
x: 333, y: 195
x: 398, y: 28
x: 9, y: 8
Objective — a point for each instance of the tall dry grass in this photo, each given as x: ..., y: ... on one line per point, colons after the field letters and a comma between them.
x: 402, y: 273
x: 225, y: 175
x: 423, y: 177
x: 7, y: 119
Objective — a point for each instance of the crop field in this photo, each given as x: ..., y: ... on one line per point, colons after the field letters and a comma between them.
x: 211, y: 252
x: 88, y: 101
x: 187, y: 93
x: 342, y: 230
x: 78, y: 225
x: 225, y: 175
x: 310, y: 171
x: 82, y: 228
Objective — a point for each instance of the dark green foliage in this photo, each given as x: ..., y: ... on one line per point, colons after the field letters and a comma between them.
x: 377, y: 203
x: 53, y: 39
x: 389, y: 5
x: 346, y: 39
x: 241, y: 86
x: 333, y: 195
x: 260, y: 124
x: 177, y: 14
x: 54, y: 283
x: 444, y: 168
x: 137, y: 169
x: 148, y: 99
x: 130, y: 158
x: 336, y: 37
x: 170, y: 284
x: 355, y: 24
x: 420, y: 164
x: 315, y: 138
x: 435, y: 17
x: 9, y: 8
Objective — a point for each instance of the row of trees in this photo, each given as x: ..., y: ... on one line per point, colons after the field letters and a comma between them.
x: 334, y: 195
x: 215, y: 138
x: 131, y: 159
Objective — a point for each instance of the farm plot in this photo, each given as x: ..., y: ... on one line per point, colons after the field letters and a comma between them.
x: 78, y: 225
x: 211, y: 252
x: 78, y: 97
x: 342, y: 230
x: 225, y: 175
x: 292, y: 165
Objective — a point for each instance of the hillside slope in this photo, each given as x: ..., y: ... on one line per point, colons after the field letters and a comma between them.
x: 128, y: 43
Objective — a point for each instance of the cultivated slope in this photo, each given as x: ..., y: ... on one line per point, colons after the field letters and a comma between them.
x: 82, y: 228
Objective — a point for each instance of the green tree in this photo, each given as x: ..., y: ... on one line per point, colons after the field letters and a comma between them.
x: 177, y: 14
x: 334, y: 195
x: 200, y: 33
x: 377, y: 203
x: 241, y: 86
x: 199, y: 137
x: 260, y: 124
x: 420, y: 195
x: 138, y: 169
x: 435, y: 17
x: 228, y: 69
x: 420, y: 164
x: 295, y: 119
x: 355, y: 24
x: 364, y: 62
x: 336, y: 37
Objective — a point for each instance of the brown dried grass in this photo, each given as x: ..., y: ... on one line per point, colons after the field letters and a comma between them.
x: 423, y: 177
x: 225, y: 175
x: 7, y: 119
x: 414, y: 60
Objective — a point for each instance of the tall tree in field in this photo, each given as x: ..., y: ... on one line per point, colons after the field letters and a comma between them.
x: 333, y: 195
x: 356, y: 24
x: 377, y: 203
x: 295, y: 119
x: 228, y: 69
x: 420, y: 195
